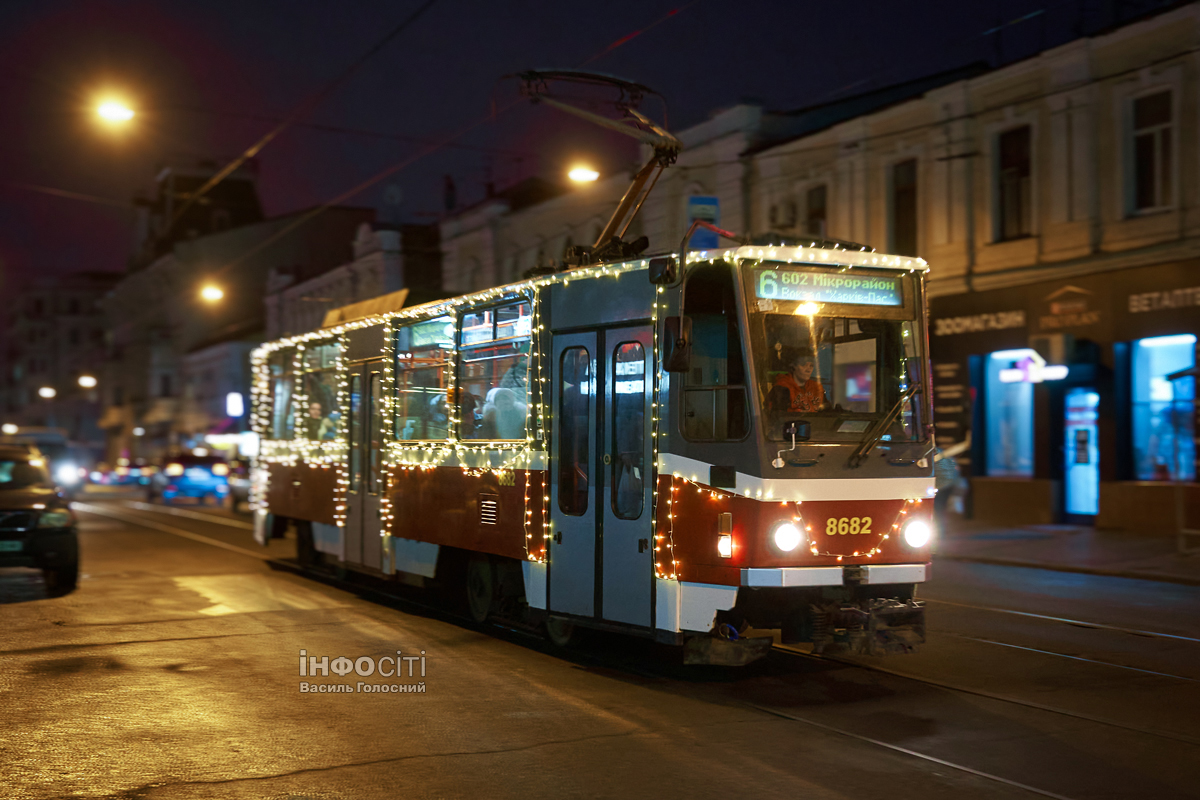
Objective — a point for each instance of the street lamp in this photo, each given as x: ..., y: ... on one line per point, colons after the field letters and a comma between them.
x: 114, y: 112
x: 211, y: 293
x: 87, y: 381
x: 8, y: 429
x: 583, y: 174
x: 48, y: 392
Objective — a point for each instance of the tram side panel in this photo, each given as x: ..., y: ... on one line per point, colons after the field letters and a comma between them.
x: 302, y: 491
x: 493, y: 513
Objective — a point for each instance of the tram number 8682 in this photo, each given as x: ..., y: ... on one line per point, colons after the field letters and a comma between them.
x: 835, y: 526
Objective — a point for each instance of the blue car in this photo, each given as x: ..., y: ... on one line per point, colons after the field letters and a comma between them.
x: 199, y: 477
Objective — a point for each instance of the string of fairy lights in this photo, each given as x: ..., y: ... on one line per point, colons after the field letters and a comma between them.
x: 496, y: 457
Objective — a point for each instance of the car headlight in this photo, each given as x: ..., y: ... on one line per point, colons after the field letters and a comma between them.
x: 174, y: 470
x: 56, y: 518
x: 220, y: 469
x: 66, y: 474
x: 917, y: 533
x: 787, y: 536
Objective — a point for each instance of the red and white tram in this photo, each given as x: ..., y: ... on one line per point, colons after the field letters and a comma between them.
x: 683, y: 447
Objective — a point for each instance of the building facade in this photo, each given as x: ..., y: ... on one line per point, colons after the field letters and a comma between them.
x: 387, y: 258
x: 1057, y: 201
x: 53, y: 336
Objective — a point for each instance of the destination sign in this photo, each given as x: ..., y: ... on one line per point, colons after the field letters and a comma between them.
x: 851, y: 287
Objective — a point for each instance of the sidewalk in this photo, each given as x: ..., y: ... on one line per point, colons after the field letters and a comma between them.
x: 1068, y: 548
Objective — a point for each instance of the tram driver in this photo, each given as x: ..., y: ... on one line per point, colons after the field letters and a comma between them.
x: 799, y: 389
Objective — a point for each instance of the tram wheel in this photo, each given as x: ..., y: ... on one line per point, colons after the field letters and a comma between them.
x: 560, y: 631
x: 480, y: 588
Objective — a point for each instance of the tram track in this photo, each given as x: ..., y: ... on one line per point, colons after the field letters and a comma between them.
x: 332, y: 579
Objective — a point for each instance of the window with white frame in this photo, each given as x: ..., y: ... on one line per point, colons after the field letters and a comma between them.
x: 1151, y: 152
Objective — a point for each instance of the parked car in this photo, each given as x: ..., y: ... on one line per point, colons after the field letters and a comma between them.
x: 37, y: 527
x: 202, y: 478
x: 66, y: 461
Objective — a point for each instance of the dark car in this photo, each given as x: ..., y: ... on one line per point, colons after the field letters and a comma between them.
x: 199, y: 477
x: 37, y: 527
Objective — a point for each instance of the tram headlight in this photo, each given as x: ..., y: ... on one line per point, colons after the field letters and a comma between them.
x: 787, y: 536
x: 725, y: 545
x: 917, y: 533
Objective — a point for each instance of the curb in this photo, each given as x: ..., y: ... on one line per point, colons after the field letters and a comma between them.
x: 1181, y: 580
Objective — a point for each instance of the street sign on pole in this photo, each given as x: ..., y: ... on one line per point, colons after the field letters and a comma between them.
x: 709, y: 210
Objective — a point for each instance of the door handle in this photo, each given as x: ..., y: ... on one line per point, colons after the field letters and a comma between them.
x: 558, y: 538
x: 643, y: 545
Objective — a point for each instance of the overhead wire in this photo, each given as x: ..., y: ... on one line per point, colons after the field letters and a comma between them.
x: 301, y: 110
x: 491, y: 115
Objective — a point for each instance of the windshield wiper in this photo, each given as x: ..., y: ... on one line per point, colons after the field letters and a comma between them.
x: 868, y: 444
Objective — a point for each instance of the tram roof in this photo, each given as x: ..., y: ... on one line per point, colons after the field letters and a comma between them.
x: 813, y: 256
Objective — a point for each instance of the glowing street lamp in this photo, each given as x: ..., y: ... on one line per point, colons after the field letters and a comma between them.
x: 48, y: 392
x: 583, y: 174
x: 114, y: 112
x: 87, y: 381
x: 211, y: 293
x: 8, y: 429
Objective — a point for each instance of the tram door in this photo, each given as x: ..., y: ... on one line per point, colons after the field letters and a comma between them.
x: 365, y: 434
x: 601, y: 551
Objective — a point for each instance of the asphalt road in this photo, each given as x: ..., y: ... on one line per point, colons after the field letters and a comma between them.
x: 173, y: 672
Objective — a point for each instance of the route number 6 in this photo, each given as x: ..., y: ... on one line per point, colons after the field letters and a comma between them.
x: 840, y: 526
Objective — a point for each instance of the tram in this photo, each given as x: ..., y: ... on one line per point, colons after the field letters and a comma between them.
x: 671, y: 446
x: 697, y: 447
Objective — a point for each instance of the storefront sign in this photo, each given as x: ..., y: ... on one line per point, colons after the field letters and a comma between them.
x: 948, y: 326
x: 1068, y: 307
x: 1154, y: 301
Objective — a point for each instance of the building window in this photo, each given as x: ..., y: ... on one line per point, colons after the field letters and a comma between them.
x: 1014, y: 195
x: 904, y: 208
x: 1151, y: 151
x: 164, y: 385
x: 815, y: 211
x: 1163, y: 423
x: 1008, y: 411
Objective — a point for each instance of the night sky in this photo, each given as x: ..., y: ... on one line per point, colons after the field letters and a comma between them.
x: 209, y: 78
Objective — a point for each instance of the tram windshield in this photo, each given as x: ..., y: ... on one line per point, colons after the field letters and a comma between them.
x: 842, y: 365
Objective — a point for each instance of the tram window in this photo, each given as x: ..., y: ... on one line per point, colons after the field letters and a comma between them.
x: 840, y: 373
x: 574, y: 430
x: 493, y: 373
x: 628, y: 430
x: 375, y: 433
x: 282, y: 384
x: 355, y: 432
x: 714, y: 390
x: 320, y: 402
x: 423, y: 358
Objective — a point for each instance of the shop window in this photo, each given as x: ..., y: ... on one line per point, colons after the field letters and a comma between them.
x: 1008, y: 413
x: 714, y: 388
x: 1014, y: 193
x: 493, y: 376
x: 815, y: 211
x: 1151, y: 152
x: 904, y: 208
x: 424, y: 352
x: 1163, y: 409
x: 280, y: 365
x: 321, y: 412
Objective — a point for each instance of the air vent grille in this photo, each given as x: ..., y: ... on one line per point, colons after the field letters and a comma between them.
x: 489, y: 509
